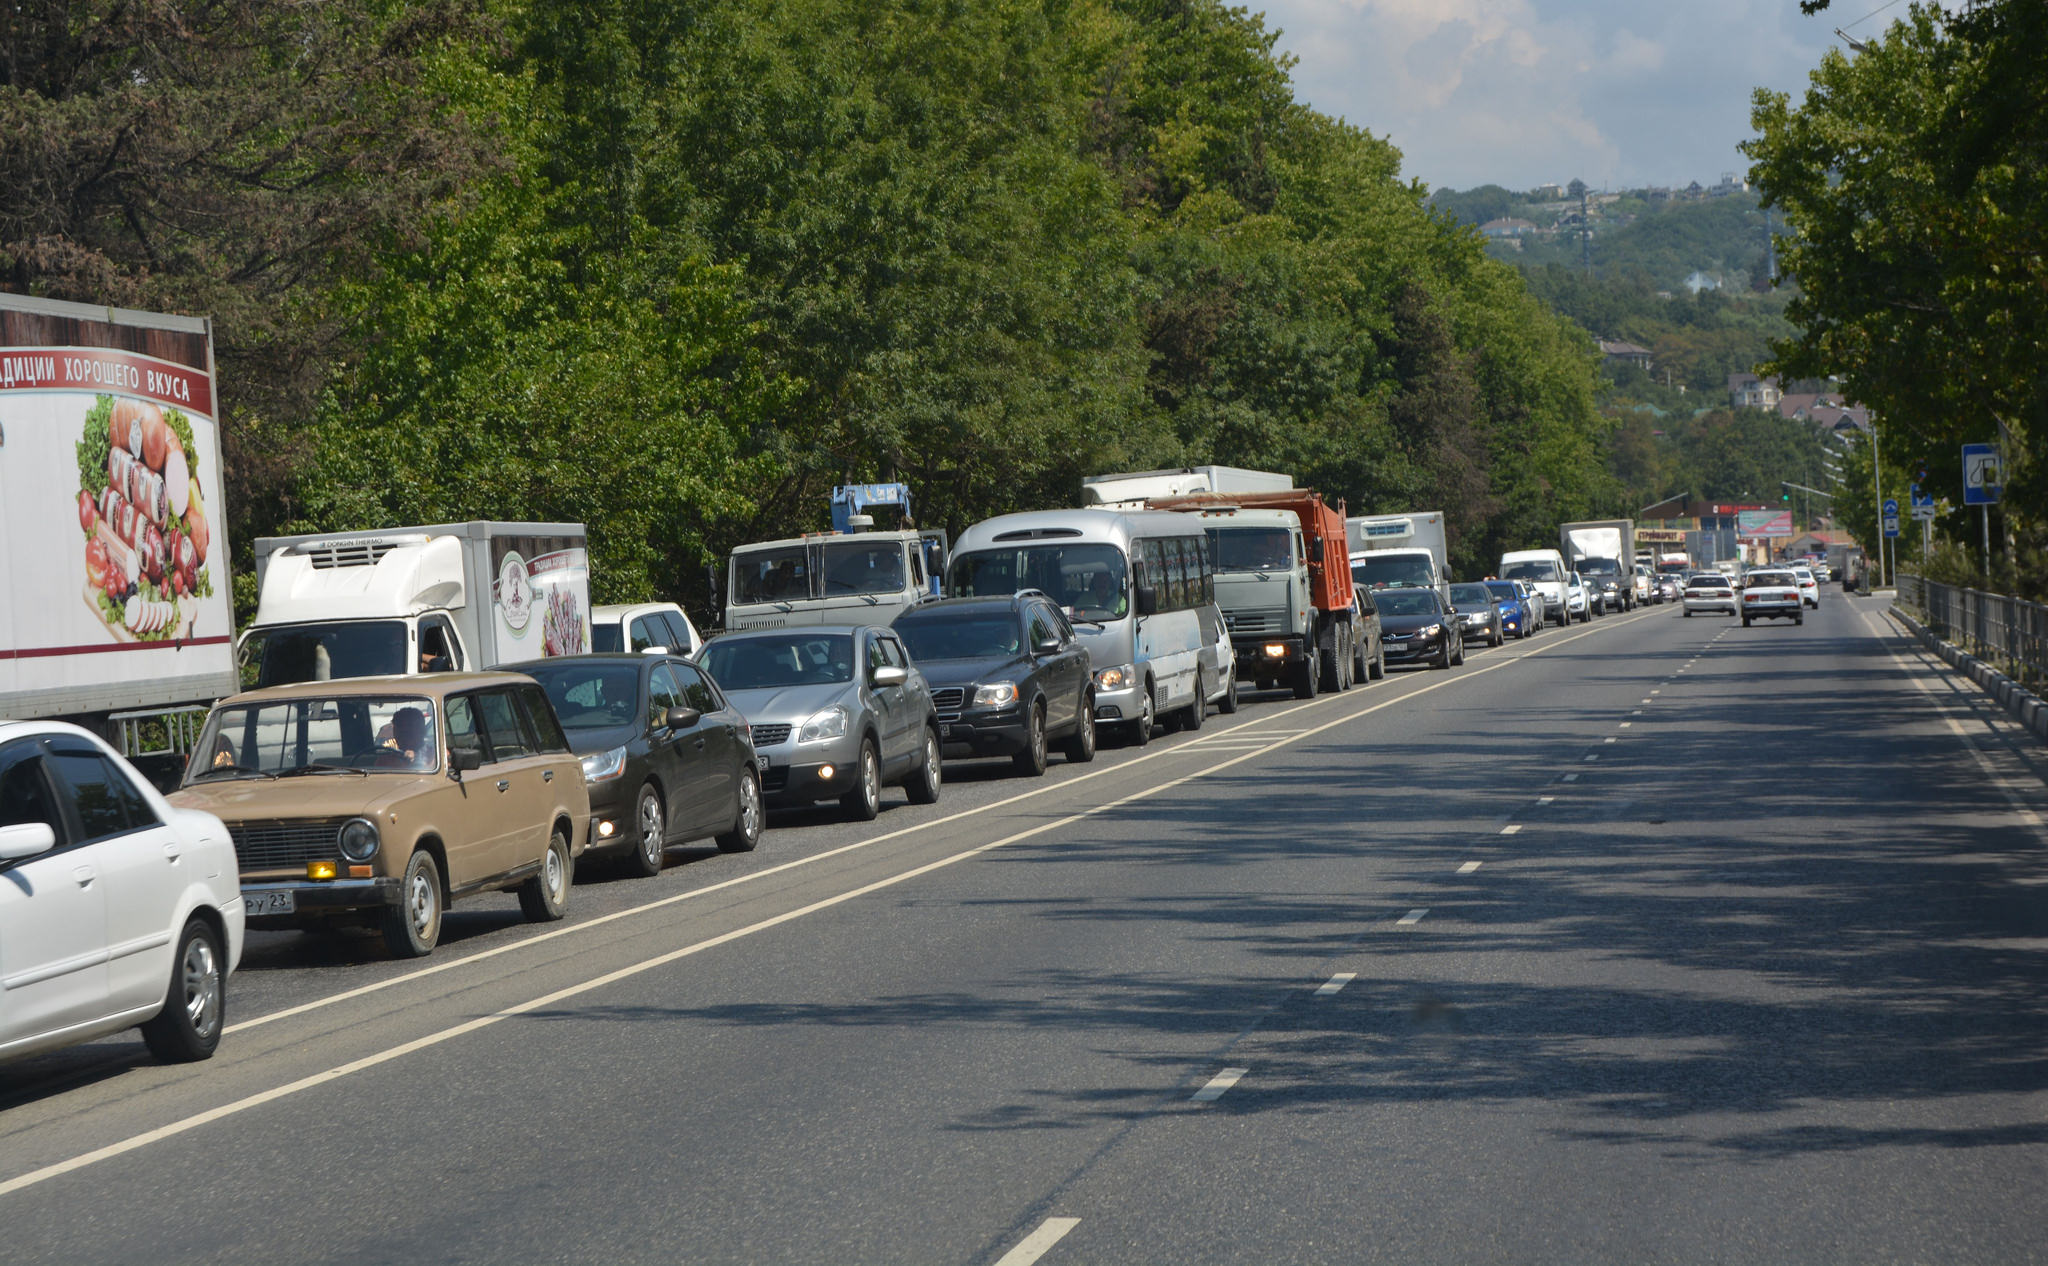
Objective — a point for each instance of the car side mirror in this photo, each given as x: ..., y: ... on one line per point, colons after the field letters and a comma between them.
x: 463, y: 760
x: 1315, y: 550
x: 1147, y: 600
x: 889, y: 675
x: 26, y: 840
x: 1050, y: 646
x: 681, y: 718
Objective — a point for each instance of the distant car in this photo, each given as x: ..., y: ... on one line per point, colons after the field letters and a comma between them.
x: 1579, y: 599
x: 837, y: 710
x: 1670, y: 588
x: 644, y: 626
x: 116, y: 908
x: 1418, y: 628
x: 1479, y: 615
x: 666, y: 758
x: 1772, y: 594
x: 1008, y: 677
x: 348, y: 800
x: 1518, y: 612
x: 1606, y: 582
x: 1823, y: 571
x: 1645, y: 583
x: 1809, y: 585
x: 1369, y: 642
x: 1709, y: 591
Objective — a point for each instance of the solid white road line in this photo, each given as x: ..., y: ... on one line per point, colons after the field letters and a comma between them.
x: 1218, y: 1084
x: 1468, y: 868
x: 1336, y: 983
x: 1033, y: 1246
x: 1413, y: 916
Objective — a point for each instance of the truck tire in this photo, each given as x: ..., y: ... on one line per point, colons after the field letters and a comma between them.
x: 1333, y: 664
x: 1304, y: 675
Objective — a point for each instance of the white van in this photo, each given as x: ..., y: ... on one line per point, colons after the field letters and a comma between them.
x: 1544, y: 571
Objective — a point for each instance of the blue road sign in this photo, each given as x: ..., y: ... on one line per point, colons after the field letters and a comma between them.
x: 1983, y: 475
x: 1891, y: 516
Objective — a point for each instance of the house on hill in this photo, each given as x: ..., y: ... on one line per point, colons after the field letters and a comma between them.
x: 1747, y: 391
x: 1506, y: 227
x: 1613, y: 353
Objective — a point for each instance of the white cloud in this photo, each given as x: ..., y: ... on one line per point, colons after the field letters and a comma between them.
x: 1519, y: 92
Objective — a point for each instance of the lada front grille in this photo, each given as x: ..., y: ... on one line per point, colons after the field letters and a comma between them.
x: 770, y: 735
x: 275, y: 845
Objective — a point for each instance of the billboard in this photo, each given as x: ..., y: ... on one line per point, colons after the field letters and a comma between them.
x: 1755, y: 523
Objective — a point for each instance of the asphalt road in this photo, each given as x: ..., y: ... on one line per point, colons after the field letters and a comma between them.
x: 1657, y: 939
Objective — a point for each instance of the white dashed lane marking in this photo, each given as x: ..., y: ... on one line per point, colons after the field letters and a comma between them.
x: 1033, y: 1246
x: 1218, y: 1084
x: 1468, y: 868
x: 1335, y: 983
x: 1413, y: 916
x: 1511, y: 830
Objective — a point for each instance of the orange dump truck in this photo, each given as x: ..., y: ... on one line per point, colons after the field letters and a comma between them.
x: 1283, y: 582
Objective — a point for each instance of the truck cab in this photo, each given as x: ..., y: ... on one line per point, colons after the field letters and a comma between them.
x: 831, y: 578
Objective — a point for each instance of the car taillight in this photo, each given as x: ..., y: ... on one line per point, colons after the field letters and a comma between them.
x: 1750, y: 597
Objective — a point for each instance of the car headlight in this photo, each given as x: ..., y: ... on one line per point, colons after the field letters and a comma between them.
x: 829, y: 724
x: 359, y: 839
x: 604, y: 766
x: 1432, y: 630
x: 1001, y: 694
x: 1113, y: 678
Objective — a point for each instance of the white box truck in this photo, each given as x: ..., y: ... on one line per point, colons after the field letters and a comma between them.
x: 1131, y: 490
x: 1602, y: 551
x: 114, y: 569
x: 439, y: 598
x: 1390, y: 550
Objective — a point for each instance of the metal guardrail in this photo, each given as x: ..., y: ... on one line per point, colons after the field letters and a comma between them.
x: 2008, y: 633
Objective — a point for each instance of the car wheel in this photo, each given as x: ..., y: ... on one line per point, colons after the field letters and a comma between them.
x: 412, y: 930
x: 923, y: 786
x: 189, y: 1026
x: 1195, y: 713
x: 1031, y: 761
x: 1800, y: 618
x: 545, y: 897
x: 1140, y: 732
x: 1080, y: 746
x: 1379, y: 664
x: 1688, y: 613
x: 1499, y: 638
x: 865, y: 800
x: 1745, y: 622
x: 1227, y: 705
x: 1461, y: 653
x: 746, y: 819
x: 652, y: 825
x: 1443, y: 656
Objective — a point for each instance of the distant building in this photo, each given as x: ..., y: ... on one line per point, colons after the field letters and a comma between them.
x: 1747, y: 391
x: 1507, y: 227
x: 1699, y: 281
x: 1547, y: 193
x: 1727, y: 184
x: 1614, y: 353
x: 1824, y: 409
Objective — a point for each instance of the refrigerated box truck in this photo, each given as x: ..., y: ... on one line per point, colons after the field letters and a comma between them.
x: 1392, y: 550
x: 439, y: 598
x: 114, y: 592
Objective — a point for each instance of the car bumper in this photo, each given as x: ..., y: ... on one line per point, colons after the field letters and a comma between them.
x: 1712, y: 604
x: 1413, y: 650
x: 1775, y: 610
x: 313, y: 901
x: 974, y: 734
x: 1122, y: 704
x: 1254, y: 662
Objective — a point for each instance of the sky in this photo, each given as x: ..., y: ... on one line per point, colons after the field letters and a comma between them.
x: 1619, y: 93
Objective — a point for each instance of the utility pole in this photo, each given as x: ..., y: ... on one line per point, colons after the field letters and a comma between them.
x: 1578, y: 190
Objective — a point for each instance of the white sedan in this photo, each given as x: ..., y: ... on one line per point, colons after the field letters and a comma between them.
x: 1710, y: 591
x: 116, y: 910
x: 1809, y: 585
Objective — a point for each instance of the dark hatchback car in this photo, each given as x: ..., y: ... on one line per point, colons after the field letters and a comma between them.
x: 1007, y: 675
x: 1479, y: 613
x: 1419, y: 630
x: 666, y: 758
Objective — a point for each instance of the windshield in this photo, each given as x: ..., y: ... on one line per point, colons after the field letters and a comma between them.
x: 934, y: 637
x: 1771, y: 578
x: 604, y: 639
x: 771, y: 575
x: 1090, y: 581
x: 863, y: 567
x: 1531, y: 569
x: 792, y: 658
x: 1377, y: 571
x: 1477, y: 595
x: 319, y: 735
x: 1408, y: 602
x: 322, y: 652
x: 1252, y: 549
x: 1602, y: 567
x: 1503, y: 590
x: 590, y: 696
x: 1707, y: 582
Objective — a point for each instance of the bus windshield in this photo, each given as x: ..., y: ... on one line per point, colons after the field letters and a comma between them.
x: 1091, y: 581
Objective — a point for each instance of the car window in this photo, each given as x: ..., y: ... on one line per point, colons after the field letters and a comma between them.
x: 605, y: 637
x: 1041, y: 628
x: 662, y: 694
x: 679, y: 637
x: 646, y: 634
x: 106, y: 802
x: 439, y: 651
x: 694, y: 688
x: 893, y: 648
x: 462, y: 731
x: 547, y: 727
x: 25, y: 794
x: 502, y: 725
x: 1060, y: 622
x: 876, y: 656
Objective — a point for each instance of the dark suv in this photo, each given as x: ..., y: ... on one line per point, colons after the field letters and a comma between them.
x: 1007, y: 676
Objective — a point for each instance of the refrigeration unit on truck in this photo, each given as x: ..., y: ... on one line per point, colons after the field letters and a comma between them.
x: 1283, y: 585
x: 439, y: 598
x: 1397, y: 550
x: 850, y: 575
x: 1602, y: 552
x: 115, y: 571
x: 1132, y: 490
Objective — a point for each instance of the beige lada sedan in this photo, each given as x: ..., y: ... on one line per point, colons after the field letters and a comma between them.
x: 382, y: 800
